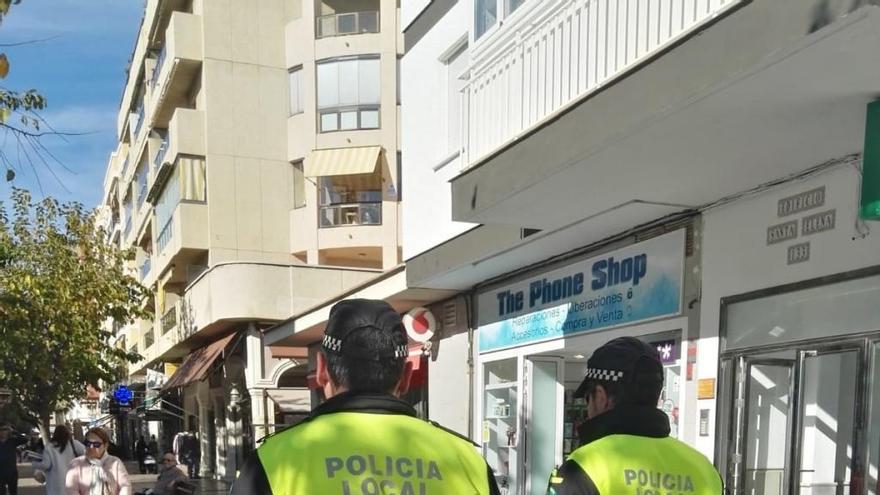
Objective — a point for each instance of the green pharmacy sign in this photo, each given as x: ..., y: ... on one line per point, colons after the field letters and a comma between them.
x: 870, y: 204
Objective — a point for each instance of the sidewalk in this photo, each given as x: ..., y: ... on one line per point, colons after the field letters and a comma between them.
x: 28, y: 486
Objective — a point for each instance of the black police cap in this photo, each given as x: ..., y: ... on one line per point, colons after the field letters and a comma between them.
x: 625, y: 360
x: 352, y: 317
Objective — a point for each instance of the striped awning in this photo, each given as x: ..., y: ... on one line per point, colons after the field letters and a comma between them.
x: 342, y: 161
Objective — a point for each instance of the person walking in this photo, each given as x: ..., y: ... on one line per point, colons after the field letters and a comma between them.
x: 57, y: 455
x: 8, y: 461
x: 97, y: 472
x: 625, y: 442
x: 193, y: 455
x: 140, y: 453
x: 364, y: 438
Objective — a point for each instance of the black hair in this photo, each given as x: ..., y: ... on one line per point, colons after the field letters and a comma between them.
x: 365, y: 374
x: 61, y: 437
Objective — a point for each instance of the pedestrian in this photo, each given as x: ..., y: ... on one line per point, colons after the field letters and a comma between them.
x: 153, y: 446
x: 364, y: 438
x: 97, y: 472
x: 625, y: 442
x: 60, y: 450
x: 8, y: 461
x: 140, y: 453
x: 170, y: 476
x: 193, y: 455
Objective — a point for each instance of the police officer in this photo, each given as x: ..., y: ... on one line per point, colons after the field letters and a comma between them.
x: 625, y: 443
x: 364, y: 440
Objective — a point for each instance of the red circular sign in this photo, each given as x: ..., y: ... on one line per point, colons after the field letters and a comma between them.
x: 420, y: 324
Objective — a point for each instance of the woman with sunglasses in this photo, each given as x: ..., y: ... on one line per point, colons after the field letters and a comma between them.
x: 97, y: 472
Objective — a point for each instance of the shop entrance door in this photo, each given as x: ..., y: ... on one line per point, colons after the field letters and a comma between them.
x: 543, y: 421
x: 795, y: 422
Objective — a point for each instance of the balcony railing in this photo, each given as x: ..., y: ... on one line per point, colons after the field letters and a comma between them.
x: 144, y: 269
x: 140, y: 120
x: 347, y: 23
x: 166, y: 234
x: 588, y: 44
x: 160, y: 154
x: 350, y: 214
x: 157, y: 69
x: 125, y: 165
x: 169, y: 320
x: 142, y: 189
x: 128, y: 224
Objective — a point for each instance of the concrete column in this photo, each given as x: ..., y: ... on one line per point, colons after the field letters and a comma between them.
x: 259, y: 415
x: 232, y: 433
x: 206, y: 467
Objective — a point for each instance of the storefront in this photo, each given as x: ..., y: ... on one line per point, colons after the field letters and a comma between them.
x: 536, y: 334
x: 792, y: 285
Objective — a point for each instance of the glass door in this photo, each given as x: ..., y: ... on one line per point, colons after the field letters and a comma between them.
x: 500, y: 425
x: 543, y: 421
x: 827, y: 423
x: 768, y: 389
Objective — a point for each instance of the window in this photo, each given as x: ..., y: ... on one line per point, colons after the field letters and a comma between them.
x: 348, y: 94
x: 350, y: 200
x: 299, y: 185
x: 297, y: 94
x: 485, y: 16
x: 456, y: 66
x: 486, y: 13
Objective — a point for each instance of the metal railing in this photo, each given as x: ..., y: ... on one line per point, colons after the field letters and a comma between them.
x: 347, y: 23
x: 144, y: 269
x: 140, y: 120
x: 157, y: 69
x: 169, y: 320
x: 160, y: 154
x: 350, y: 214
x: 166, y: 234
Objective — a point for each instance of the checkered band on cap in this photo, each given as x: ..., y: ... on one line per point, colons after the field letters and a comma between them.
x: 603, y: 375
x: 332, y: 343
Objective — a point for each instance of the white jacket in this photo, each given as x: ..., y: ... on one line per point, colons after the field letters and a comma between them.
x: 54, y: 465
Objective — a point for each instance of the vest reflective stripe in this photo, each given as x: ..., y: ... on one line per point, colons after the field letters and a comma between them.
x: 372, y: 454
x: 628, y: 464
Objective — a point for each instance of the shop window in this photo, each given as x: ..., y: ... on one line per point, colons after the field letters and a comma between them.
x: 350, y: 200
x: 348, y: 94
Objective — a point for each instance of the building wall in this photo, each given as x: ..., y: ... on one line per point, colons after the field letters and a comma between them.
x: 424, y: 118
x: 736, y: 259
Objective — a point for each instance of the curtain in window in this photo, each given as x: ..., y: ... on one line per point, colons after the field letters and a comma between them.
x: 192, y: 178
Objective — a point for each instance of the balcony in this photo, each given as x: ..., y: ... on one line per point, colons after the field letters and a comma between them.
x: 183, y: 239
x: 186, y: 136
x: 512, y: 86
x: 144, y: 269
x: 178, y: 65
x: 169, y: 319
x: 347, y: 215
x: 348, y: 23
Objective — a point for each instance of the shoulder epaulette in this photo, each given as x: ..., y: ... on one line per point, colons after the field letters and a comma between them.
x: 453, y: 432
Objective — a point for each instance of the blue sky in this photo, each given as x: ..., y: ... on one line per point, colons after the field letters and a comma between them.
x: 81, y: 72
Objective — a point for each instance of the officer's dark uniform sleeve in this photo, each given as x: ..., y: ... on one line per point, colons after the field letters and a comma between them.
x: 251, y: 479
x: 570, y: 479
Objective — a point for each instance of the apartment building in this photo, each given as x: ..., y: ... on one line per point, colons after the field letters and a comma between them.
x: 256, y: 175
x: 696, y: 173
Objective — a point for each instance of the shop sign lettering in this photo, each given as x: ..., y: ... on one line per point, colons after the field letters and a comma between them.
x: 782, y: 232
x: 804, y: 201
x: 820, y: 222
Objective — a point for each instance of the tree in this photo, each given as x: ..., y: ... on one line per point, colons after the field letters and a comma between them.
x: 61, y: 284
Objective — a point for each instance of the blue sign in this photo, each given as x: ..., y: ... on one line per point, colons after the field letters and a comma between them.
x: 633, y: 284
x: 123, y: 395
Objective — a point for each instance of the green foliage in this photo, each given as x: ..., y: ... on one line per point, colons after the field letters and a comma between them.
x: 61, y: 285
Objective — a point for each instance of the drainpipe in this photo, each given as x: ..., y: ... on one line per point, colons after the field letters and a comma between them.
x: 470, y: 318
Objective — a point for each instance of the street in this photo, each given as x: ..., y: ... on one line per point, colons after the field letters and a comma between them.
x: 28, y: 486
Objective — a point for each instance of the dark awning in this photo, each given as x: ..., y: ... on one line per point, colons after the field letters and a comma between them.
x: 196, y: 365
